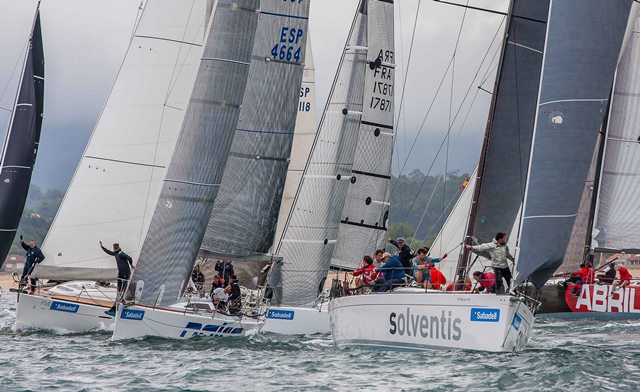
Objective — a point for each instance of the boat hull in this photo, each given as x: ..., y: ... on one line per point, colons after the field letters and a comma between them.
x: 435, y: 320
x: 41, y: 312
x: 137, y: 321
x: 297, y: 321
x: 589, y: 302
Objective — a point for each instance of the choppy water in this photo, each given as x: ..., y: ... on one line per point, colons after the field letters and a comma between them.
x: 562, y: 355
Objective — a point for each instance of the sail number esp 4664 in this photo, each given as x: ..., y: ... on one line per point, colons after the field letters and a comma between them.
x: 288, y: 47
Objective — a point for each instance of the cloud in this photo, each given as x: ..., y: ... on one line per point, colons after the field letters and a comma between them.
x: 85, y: 41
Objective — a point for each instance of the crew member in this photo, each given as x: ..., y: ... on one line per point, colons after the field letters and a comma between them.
x: 392, y: 275
x: 436, y: 281
x: 197, y: 277
x: 34, y: 257
x: 500, y: 256
x: 405, y: 254
x: 235, y: 297
x: 124, y: 262
x: 486, y: 280
x: 424, y: 263
x: 367, y: 271
x: 624, y: 278
x: 225, y: 270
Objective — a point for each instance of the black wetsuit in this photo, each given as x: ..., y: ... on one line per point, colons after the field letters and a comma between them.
x: 34, y: 257
x: 406, y: 256
x: 124, y: 263
x: 235, y: 299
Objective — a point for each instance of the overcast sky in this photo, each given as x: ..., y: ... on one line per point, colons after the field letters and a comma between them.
x: 85, y: 41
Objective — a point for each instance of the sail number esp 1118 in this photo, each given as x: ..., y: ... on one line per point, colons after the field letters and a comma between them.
x: 288, y: 47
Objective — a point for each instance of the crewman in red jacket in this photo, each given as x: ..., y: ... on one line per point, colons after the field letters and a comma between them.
x: 624, y: 278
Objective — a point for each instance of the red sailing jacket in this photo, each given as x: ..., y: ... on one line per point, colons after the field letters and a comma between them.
x: 624, y: 274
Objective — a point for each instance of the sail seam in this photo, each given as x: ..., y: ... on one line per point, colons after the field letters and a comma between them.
x: 284, y: 15
x: 371, y: 174
x: 169, y: 40
x: 225, y: 60
x: 191, y: 183
x: 346, y: 222
x: 550, y: 216
x: 524, y: 46
x: 575, y: 100
x: 125, y: 162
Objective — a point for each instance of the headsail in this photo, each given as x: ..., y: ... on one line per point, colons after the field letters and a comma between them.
x: 505, y: 158
x: 117, y: 182
x: 312, y: 227
x: 363, y: 225
x: 618, y: 212
x: 252, y: 186
x: 583, y: 44
x: 449, y: 239
x: 20, y: 147
x: 200, y: 156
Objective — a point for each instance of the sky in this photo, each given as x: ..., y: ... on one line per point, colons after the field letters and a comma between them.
x: 85, y: 41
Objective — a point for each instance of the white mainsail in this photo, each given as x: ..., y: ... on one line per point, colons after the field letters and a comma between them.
x: 116, y: 185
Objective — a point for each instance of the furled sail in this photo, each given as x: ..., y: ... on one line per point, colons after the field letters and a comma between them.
x: 20, y: 147
x: 584, y: 40
x: 363, y: 224
x: 252, y: 186
x: 303, y: 137
x: 449, y: 239
x: 116, y: 185
x: 312, y: 227
x: 618, y: 212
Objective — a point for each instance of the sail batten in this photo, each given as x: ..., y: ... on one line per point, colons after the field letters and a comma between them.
x: 20, y: 147
x: 573, y: 99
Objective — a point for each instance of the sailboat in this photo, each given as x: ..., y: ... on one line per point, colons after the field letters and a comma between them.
x: 567, y: 114
x: 20, y: 145
x: 234, y: 149
x: 611, y: 205
x: 117, y: 182
x: 340, y: 210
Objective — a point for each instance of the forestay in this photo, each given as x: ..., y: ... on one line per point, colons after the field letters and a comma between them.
x: 303, y: 137
x: 20, y: 146
x: 200, y: 156
x: 618, y: 211
x: 252, y: 186
x: 363, y: 225
x: 583, y: 45
x: 116, y: 185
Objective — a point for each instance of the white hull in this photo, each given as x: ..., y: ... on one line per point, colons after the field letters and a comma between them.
x: 139, y: 321
x: 40, y: 312
x: 297, y: 321
x: 411, y: 319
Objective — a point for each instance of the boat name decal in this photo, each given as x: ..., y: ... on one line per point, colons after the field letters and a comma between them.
x: 64, y: 307
x: 485, y: 315
x: 517, y: 320
x: 281, y: 314
x: 197, y: 329
x: 429, y: 327
x: 598, y: 298
x: 132, y: 314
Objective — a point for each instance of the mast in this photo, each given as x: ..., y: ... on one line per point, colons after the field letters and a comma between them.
x: 20, y: 146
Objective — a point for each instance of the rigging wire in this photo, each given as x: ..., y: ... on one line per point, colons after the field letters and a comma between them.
x: 453, y: 122
x: 429, y: 109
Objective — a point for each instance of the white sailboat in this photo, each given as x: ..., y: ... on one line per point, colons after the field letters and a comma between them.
x: 118, y: 179
x: 229, y: 168
x: 413, y: 319
x: 340, y: 210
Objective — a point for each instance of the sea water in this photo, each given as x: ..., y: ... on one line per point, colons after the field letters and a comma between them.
x: 562, y: 355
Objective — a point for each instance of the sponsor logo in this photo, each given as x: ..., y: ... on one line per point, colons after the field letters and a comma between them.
x: 64, y: 307
x: 599, y: 298
x: 197, y: 329
x: 132, y: 314
x: 281, y: 314
x: 517, y: 320
x: 485, y: 315
x: 442, y: 327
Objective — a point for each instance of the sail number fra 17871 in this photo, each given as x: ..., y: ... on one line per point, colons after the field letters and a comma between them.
x: 288, y: 48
